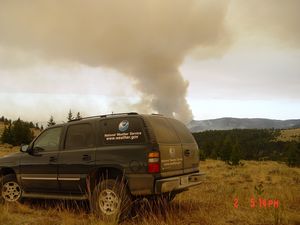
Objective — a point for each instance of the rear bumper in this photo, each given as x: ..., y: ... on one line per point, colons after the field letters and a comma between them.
x: 178, y: 183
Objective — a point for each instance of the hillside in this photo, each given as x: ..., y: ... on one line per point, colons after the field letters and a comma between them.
x: 228, y: 123
x: 290, y: 135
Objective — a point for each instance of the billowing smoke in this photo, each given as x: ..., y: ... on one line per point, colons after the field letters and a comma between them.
x: 273, y: 19
x: 145, y: 40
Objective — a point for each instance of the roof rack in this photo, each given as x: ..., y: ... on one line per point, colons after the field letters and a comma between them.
x: 156, y: 114
x: 104, y: 116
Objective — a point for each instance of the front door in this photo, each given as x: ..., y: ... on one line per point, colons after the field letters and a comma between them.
x: 39, y: 168
x: 77, y: 158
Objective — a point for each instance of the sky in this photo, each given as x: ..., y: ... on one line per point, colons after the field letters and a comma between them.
x: 193, y: 59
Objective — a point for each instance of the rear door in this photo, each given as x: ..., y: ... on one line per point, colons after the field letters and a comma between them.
x: 190, y: 151
x: 171, y: 154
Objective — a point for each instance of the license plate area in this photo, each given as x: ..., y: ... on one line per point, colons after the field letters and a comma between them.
x: 184, y: 180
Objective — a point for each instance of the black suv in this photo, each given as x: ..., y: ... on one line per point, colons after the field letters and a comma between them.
x: 109, y: 160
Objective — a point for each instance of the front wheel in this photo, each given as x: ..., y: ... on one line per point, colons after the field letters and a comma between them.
x: 111, y: 200
x: 10, y: 189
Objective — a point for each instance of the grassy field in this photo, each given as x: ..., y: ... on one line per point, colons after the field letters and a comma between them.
x: 290, y: 135
x: 7, y: 149
x: 210, y: 203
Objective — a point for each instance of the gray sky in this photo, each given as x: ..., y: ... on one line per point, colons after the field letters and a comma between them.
x: 205, y: 59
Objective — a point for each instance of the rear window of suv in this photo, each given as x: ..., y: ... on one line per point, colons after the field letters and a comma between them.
x: 163, y: 130
x: 124, y: 130
x: 182, y: 131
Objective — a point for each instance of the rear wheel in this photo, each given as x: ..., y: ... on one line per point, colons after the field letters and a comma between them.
x: 111, y: 200
x: 10, y: 189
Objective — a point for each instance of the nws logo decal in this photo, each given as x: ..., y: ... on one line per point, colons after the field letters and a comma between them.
x: 123, y: 126
x: 172, y: 152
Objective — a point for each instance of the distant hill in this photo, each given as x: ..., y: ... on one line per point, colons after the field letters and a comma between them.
x: 229, y: 123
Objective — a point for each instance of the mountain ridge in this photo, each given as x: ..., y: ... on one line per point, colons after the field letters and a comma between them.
x: 229, y: 123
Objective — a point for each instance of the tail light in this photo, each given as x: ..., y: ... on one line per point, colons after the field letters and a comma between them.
x: 153, y: 162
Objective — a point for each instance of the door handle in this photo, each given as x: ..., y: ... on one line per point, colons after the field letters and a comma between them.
x: 86, y: 157
x: 52, y: 159
x: 187, y: 153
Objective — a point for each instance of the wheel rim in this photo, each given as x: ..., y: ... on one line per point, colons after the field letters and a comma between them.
x: 109, y: 202
x: 11, y: 191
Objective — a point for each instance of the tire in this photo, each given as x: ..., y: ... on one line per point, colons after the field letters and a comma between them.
x: 111, y: 201
x: 10, y: 190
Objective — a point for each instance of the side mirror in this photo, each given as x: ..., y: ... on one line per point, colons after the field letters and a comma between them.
x: 36, y: 151
x: 24, y: 148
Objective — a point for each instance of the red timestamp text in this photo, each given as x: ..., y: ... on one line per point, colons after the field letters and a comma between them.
x: 259, y: 203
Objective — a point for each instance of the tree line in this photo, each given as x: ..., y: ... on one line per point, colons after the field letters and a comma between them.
x: 232, y: 146
x: 17, y: 132
x: 70, y: 117
x: 20, y: 132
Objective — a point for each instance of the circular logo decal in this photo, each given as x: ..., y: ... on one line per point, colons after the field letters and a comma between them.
x: 172, y: 152
x: 123, y: 126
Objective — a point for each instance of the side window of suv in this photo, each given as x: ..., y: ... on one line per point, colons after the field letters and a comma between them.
x: 80, y: 136
x: 49, y: 139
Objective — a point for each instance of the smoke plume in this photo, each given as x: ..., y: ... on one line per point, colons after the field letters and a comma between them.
x: 146, y: 40
x: 273, y: 19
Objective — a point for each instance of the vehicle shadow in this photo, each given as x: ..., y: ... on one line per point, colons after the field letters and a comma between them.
x: 67, y: 205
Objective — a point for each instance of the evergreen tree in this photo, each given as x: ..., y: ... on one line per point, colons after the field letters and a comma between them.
x: 226, y: 149
x: 78, y: 116
x: 21, y: 133
x: 42, y: 127
x: 235, y: 155
x: 51, y: 122
x: 17, y: 133
x: 6, y: 135
x: 37, y: 126
x: 70, y: 116
x: 293, y: 154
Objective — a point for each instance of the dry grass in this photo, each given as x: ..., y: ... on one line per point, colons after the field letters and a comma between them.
x: 289, y: 135
x: 208, y: 204
x: 7, y: 149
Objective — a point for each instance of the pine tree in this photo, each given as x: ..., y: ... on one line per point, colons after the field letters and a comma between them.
x: 51, y: 122
x: 70, y: 116
x: 17, y: 133
x: 235, y: 155
x: 37, y: 126
x: 6, y: 135
x: 226, y: 149
x: 78, y: 116
x: 21, y: 133
x: 42, y: 127
x: 293, y: 154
